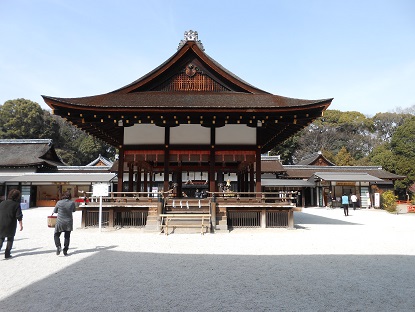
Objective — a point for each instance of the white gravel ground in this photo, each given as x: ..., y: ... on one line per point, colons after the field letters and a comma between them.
x: 364, y: 262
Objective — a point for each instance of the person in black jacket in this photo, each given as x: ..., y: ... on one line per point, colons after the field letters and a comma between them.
x: 64, y: 223
x: 10, y: 213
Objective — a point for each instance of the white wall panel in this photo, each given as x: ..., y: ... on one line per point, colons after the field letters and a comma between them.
x: 143, y: 134
x: 236, y: 134
x: 189, y: 134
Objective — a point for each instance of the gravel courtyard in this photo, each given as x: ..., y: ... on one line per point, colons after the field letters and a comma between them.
x: 329, y: 262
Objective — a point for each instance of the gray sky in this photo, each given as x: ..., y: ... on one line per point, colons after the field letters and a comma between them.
x: 360, y: 52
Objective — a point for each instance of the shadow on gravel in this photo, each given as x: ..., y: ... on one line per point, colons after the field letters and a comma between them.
x: 111, y: 280
x: 32, y: 251
x: 301, y: 218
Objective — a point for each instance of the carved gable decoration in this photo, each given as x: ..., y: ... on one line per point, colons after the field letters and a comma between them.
x: 316, y: 159
x: 191, y: 78
x: 321, y: 161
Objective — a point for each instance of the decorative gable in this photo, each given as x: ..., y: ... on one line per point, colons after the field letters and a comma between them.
x: 321, y: 161
x: 191, y: 78
x: 190, y: 69
x: 316, y: 159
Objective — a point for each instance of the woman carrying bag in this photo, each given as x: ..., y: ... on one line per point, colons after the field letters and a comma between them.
x: 64, y: 223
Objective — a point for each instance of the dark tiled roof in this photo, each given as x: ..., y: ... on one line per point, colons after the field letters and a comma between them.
x: 28, y: 153
x: 271, y: 166
x: 114, y: 167
x: 100, y: 161
x: 188, y: 101
x: 280, y: 117
x: 305, y: 172
x: 346, y: 176
x: 312, y: 159
x: 83, y: 169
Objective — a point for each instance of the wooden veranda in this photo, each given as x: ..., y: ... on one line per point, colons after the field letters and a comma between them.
x: 154, y: 211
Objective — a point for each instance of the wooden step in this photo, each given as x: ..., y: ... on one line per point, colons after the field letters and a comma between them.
x: 185, y: 220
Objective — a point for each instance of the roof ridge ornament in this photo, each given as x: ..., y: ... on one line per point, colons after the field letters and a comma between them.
x: 191, y: 35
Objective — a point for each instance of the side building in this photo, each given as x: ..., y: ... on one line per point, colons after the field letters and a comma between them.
x: 34, y: 168
x: 319, y: 182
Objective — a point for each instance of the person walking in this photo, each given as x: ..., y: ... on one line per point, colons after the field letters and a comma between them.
x: 10, y: 213
x: 345, y: 203
x: 353, y: 198
x: 64, y: 223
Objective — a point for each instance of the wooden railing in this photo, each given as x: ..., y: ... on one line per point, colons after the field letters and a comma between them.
x: 119, y: 199
x: 276, y: 198
x: 130, y: 199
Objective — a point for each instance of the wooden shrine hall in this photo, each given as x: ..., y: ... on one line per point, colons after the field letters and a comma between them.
x: 190, y: 117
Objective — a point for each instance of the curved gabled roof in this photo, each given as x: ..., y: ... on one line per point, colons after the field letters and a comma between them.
x: 316, y: 159
x: 190, y: 52
x: 190, y: 84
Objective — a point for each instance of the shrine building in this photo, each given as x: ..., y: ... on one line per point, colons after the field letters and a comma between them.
x: 196, y: 126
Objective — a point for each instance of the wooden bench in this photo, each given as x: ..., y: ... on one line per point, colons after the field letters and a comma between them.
x: 202, y: 220
x: 411, y: 208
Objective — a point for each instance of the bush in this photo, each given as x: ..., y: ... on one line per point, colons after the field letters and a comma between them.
x: 389, y: 201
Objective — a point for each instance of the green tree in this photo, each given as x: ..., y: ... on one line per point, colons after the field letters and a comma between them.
x: 50, y: 127
x: 344, y: 158
x: 24, y: 119
x: 403, y: 139
x: 21, y: 119
x: 76, y: 147
x: 385, y: 124
x: 329, y: 156
x: 398, y: 156
x: 404, y: 166
x: 383, y: 156
x: 336, y: 130
x: 286, y: 150
x: 403, y: 146
x: 89, y: 149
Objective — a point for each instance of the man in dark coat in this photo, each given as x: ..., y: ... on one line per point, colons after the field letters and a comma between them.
x: 10, y: 213
x: 64, y: 223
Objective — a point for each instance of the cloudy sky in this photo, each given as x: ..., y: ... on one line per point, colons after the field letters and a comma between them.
x: 360, y: 52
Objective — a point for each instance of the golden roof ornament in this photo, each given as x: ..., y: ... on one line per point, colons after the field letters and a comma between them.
x: 191, y: 35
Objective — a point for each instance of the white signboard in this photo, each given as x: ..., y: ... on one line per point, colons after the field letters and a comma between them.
x: 100, y: 189
x: 377, y: 200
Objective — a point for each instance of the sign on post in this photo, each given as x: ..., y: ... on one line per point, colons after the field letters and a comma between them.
x: 377, y: 200
x: 100, y: 190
